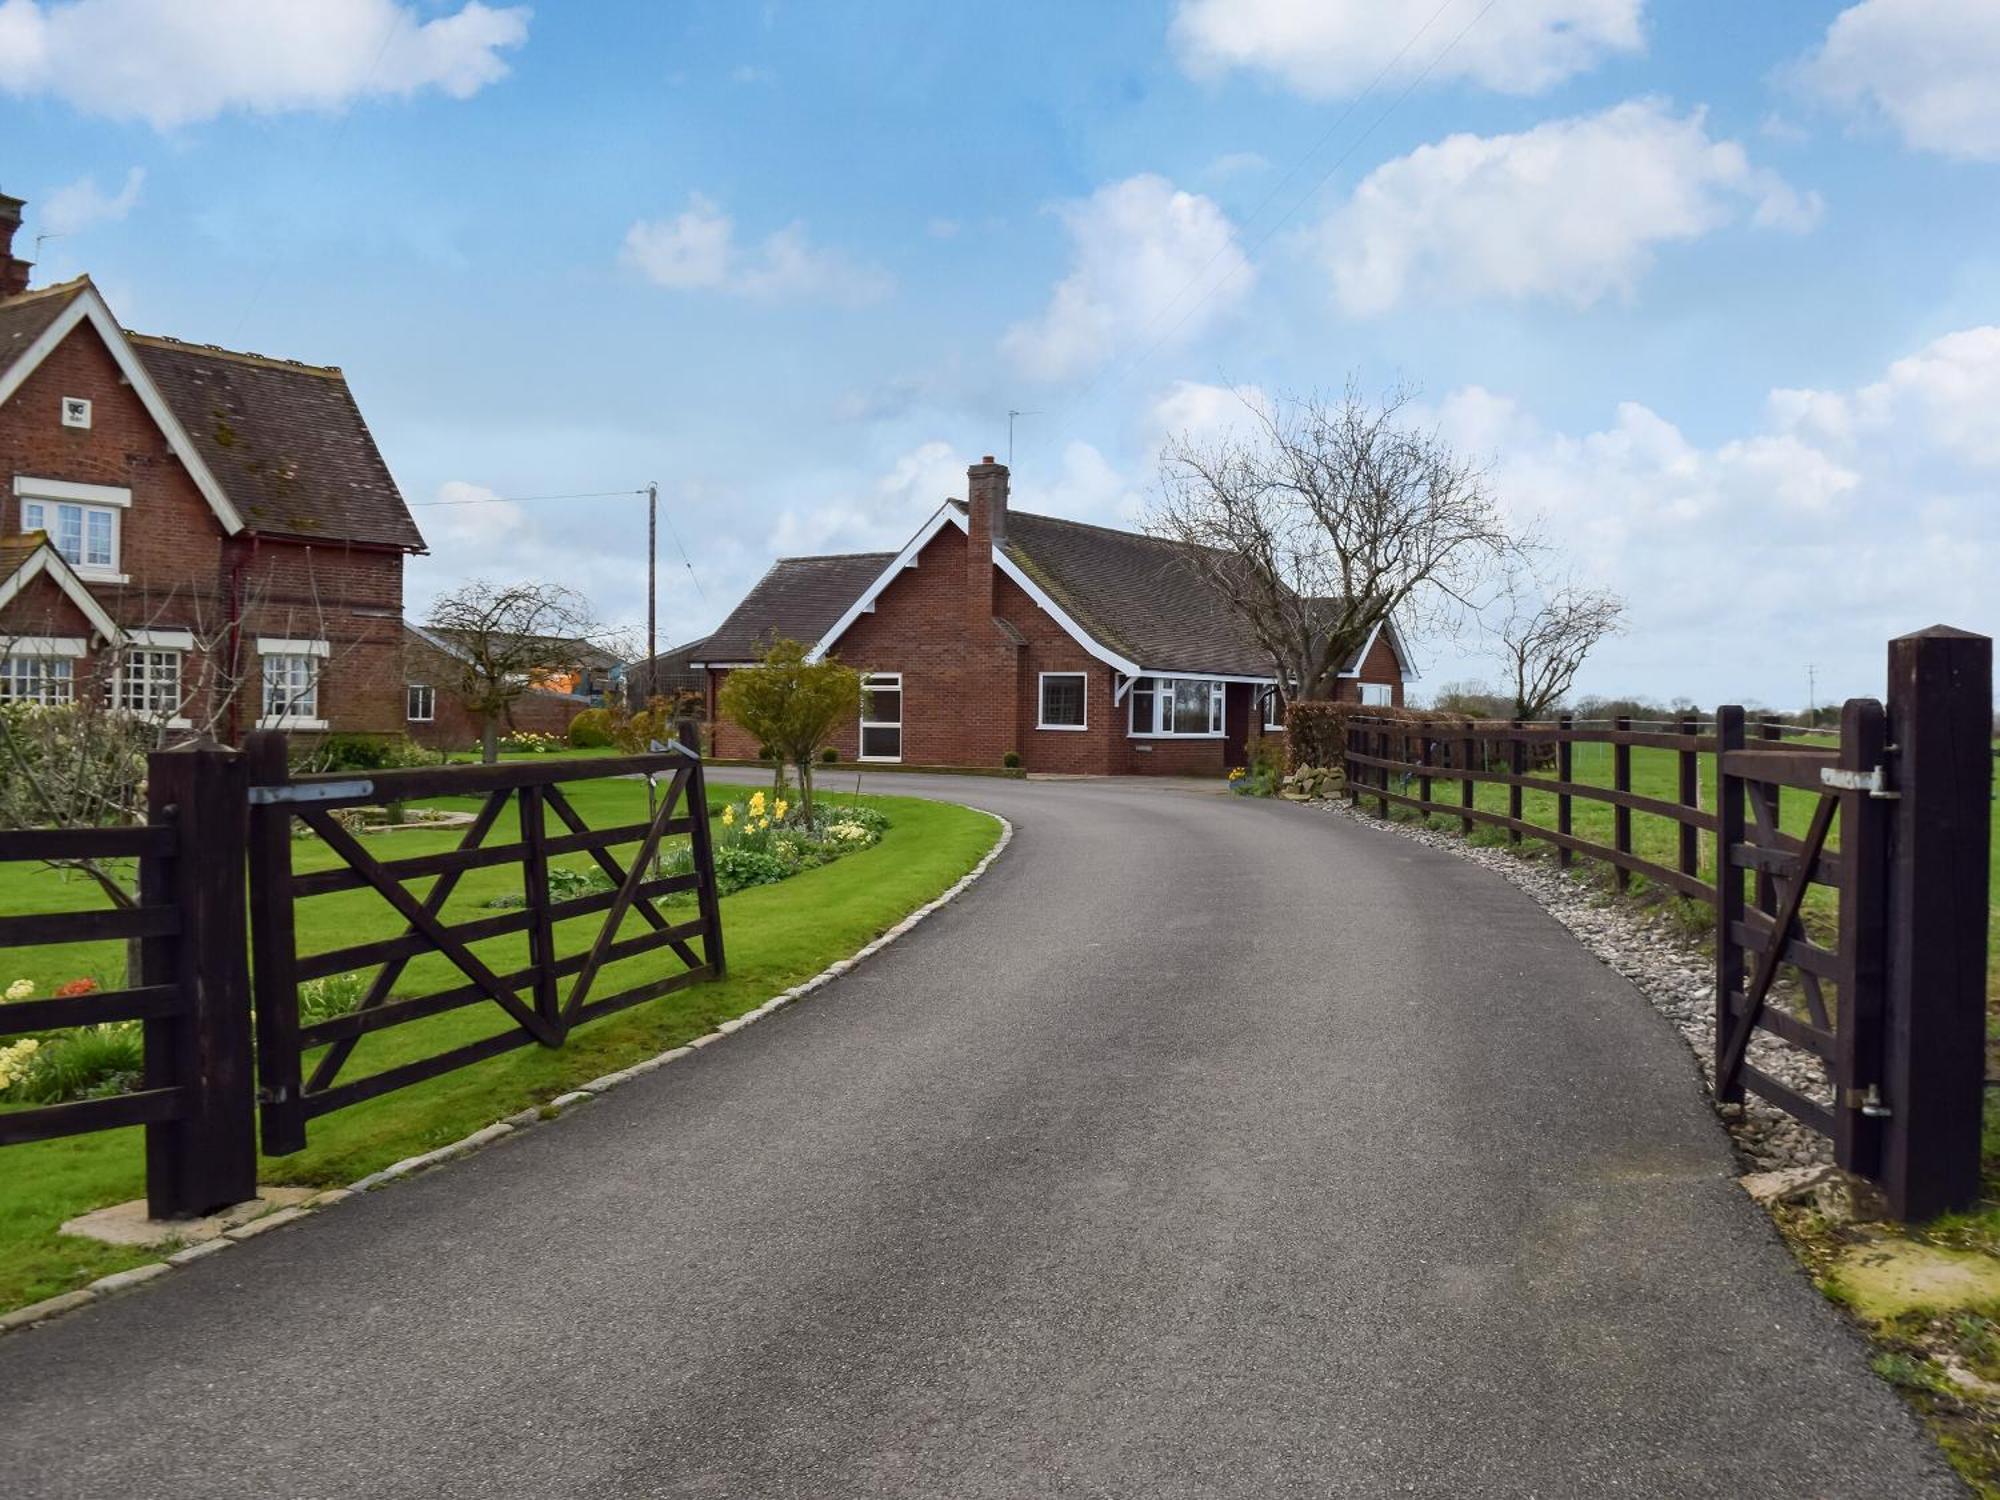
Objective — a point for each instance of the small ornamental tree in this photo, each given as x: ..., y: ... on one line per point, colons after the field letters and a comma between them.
x: 792, y: 705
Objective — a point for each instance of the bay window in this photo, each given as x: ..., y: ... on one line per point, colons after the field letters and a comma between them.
x: 47, y: 680
x: 1177, y: 706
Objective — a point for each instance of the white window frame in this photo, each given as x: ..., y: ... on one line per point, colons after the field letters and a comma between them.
x: 152, y: 709
x: 884, y: 680
x: 315, y: 652
x: 1386, y: 690
x: 1266, y: 699
x: 1218, y: 707
x: 41, y: 503
x: 1042, y: 702
x: 429, y: 715
x: 56, y: 658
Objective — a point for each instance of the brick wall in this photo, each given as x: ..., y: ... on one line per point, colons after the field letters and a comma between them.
x: 182, y: 570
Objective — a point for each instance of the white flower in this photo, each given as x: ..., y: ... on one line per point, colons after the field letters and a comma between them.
x: 20, y: 989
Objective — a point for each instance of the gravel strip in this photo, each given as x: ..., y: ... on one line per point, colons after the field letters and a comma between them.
x: 1676, y: 977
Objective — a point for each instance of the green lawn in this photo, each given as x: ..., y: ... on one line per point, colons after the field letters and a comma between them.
x: 1656, y: 773
x: 776, y: 935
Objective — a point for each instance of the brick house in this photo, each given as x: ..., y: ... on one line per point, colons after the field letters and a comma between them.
x: 210, y: 538
x: 434, y: 667
x: 1084, y: 649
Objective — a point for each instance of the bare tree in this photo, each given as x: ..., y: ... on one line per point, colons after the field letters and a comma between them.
x: 1319, y: 520
x: 507, y: 637
x: 1545, y: 636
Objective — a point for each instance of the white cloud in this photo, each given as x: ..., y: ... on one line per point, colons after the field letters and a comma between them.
x: 1329, y: 48
x: 1845, y: 518
x: 1948, y: 392
x: 878, y: 516
x: 1086, y: 486
x: 697, y: 250
x: 1203, y: 413
x: 80, y: 204
x: 1149, y: 262
x: 1931, y: 67
x: 176, y: 64
x: 1572, y: 209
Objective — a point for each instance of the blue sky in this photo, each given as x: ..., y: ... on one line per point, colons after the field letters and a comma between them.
x: 1713, y: 287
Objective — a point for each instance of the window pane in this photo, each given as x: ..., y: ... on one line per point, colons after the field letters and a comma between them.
x: 98, y: 554
x: 291, y: 687
x: 1377, y: 694
x: 69, y: 532
x: 33, y: 516
x: 1142, y: 706
x: 882, y: 742
x: 1062, y: 700
x: 1191, y: 708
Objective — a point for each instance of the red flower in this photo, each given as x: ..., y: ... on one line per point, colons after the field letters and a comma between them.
x: 76, y: 987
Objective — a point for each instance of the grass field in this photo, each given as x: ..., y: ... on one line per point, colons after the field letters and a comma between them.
x: 776, y: 935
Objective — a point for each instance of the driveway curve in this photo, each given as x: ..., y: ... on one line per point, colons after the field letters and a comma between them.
x: 1207, y: 1147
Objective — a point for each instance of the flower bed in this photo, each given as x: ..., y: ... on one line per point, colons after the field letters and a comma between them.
x: 75, y: 1062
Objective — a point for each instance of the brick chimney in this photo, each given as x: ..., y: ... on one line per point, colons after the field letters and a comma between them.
x: 13, y: 270
x: 986, y: 500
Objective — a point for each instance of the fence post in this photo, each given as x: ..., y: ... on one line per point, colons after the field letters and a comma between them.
x: 1382, y: 772
x: 1517, y: 767
x: 1690, y: 796
x: 1468, y: 790
x: 267, y: 762
x: 1565, y: 768
x: 1940, y: 719
x: 1426, y: 759
x: 703, y: 850
x: 1621, y: 816
x: 1770, y: 797
x: 1728, y: 886
x: 206, y: 1159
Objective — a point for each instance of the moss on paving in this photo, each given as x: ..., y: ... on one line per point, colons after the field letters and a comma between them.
x: 775, y: 936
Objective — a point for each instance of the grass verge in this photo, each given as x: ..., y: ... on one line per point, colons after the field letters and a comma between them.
x: 777, y: 935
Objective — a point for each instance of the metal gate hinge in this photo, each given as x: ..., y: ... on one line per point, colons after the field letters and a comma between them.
x: 1868, y: 1101
x: 1873, y: 782
x: 310, y: 791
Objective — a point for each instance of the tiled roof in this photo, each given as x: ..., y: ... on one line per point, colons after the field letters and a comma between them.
x: 799, y: 599
x: 25, y: 318
x: 672, y: 671
x: 285, y: 441
x: 15, y: 550
x: 1136, y: 595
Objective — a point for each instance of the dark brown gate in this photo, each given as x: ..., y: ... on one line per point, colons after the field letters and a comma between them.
x: 548, y: 997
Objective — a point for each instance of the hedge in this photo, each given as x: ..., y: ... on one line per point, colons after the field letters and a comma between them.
x: 1316, y: 729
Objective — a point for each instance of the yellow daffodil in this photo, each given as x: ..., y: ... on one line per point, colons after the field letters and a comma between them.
x: 756, y: 804
x: 778, y: 809
x: 729, y: 816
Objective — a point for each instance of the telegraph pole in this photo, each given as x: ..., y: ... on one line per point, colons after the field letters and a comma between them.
x: 652, y: 587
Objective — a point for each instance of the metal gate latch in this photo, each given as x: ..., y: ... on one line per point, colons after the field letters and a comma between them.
x: 1873, y: 782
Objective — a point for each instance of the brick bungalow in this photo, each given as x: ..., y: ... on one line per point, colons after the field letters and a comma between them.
x: 434, y: 667
x: 1084, y: 649
x: 209, y: 538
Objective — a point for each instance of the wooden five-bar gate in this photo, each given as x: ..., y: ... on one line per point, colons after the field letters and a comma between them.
x: 1889, y: 997
x: 217, y: 897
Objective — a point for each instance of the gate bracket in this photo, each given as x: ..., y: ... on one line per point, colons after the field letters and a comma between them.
x: 1868, y: 1101
x: 1873, y: 782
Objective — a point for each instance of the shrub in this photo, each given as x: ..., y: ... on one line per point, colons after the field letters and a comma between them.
x: 1316, y: 729
x: 591, y: 730
x: 90, y: 1062
x: 829, y: 755
x: 335, y: 995
x: 1011, y: 760
x: 738, y: 868
x: 364, y: 752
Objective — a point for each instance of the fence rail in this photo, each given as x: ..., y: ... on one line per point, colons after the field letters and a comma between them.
x: 216, y: 886
x: 1889, y: 996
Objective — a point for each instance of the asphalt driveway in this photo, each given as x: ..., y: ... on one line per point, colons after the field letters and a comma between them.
x: 1207, y: 1147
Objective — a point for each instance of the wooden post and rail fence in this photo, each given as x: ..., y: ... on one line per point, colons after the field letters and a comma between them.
x: 220, y: 970
x: 1891, y: 995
